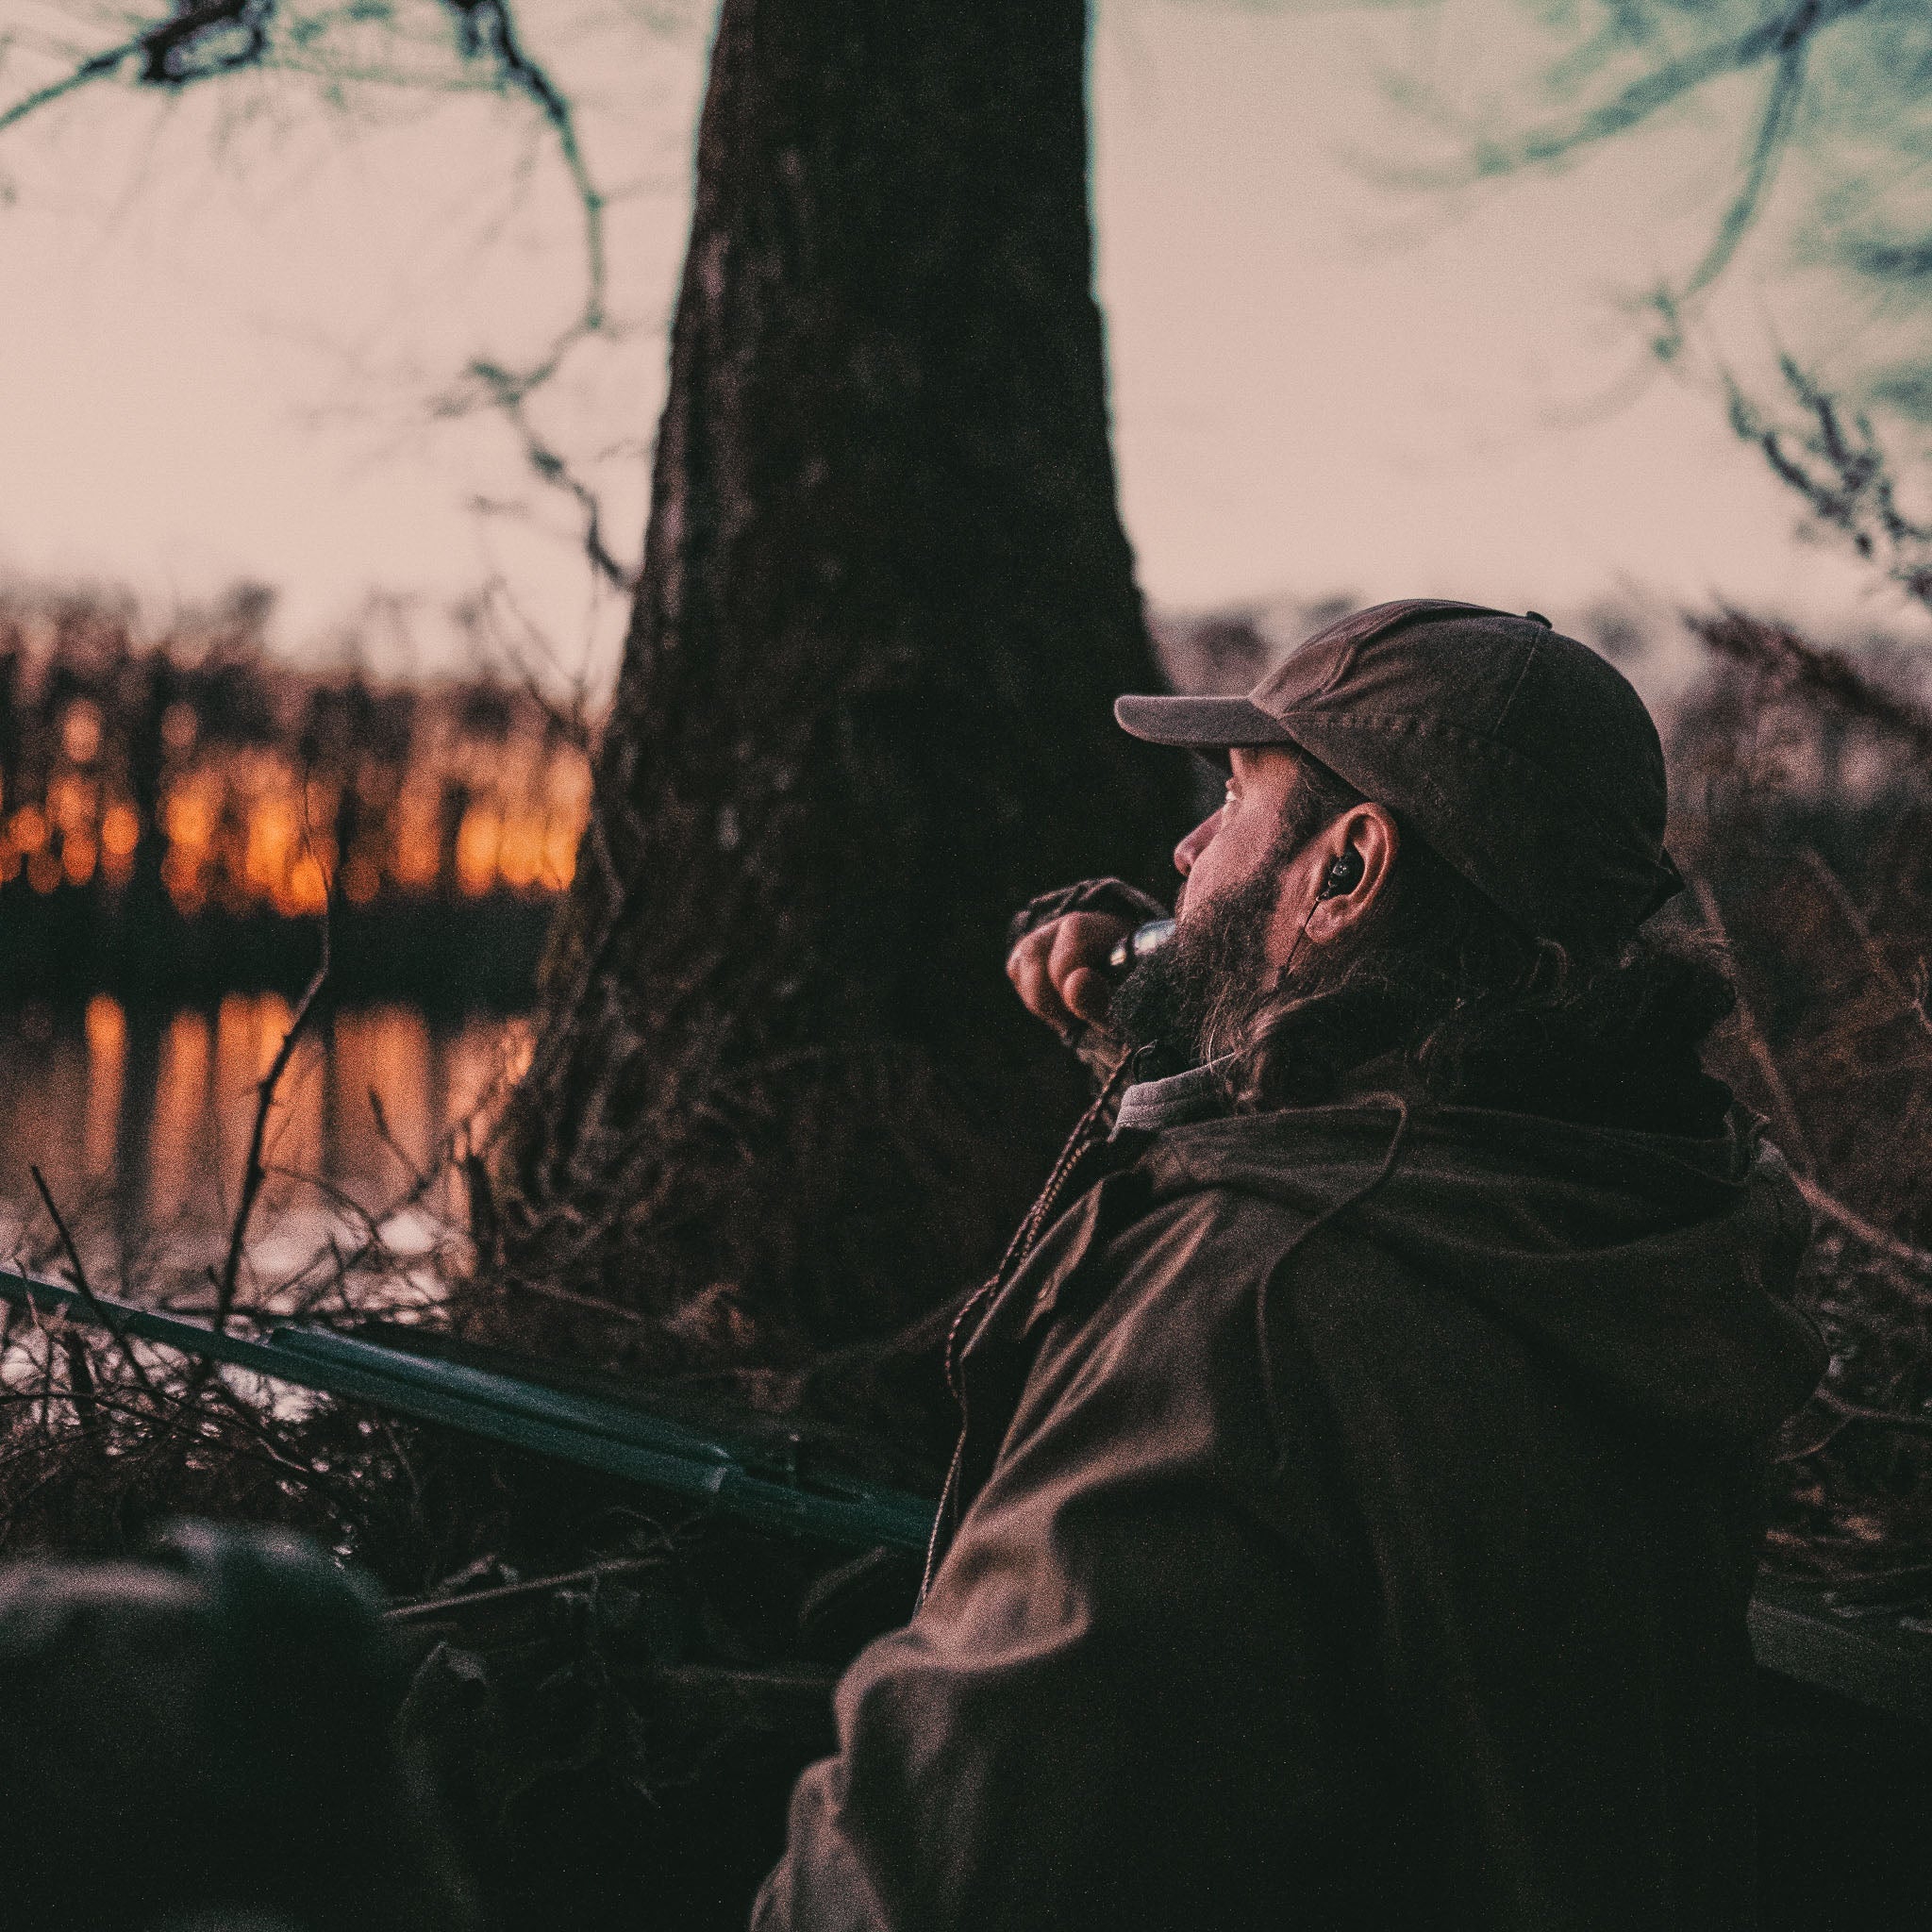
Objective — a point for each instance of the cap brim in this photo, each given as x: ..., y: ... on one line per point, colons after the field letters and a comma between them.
x: 1199, y: 723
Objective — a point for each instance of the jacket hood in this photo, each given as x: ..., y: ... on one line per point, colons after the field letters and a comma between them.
x: 1659, y: 1268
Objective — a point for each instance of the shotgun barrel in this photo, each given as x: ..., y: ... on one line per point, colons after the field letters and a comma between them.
x: 769, y: 1489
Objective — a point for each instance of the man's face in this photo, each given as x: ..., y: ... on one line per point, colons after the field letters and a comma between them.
x: 1235, y: 919
x: 1228, y: 851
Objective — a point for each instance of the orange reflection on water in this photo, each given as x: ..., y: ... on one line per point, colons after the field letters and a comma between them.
x: 140, y: 1123
x: 249, y: 1031
x: 105, y: 1028
x: 386, y: 1051
x: 176, y: 1137
x: 294, y: 1143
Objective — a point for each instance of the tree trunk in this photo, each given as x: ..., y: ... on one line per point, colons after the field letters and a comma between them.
x: 782, y: 1096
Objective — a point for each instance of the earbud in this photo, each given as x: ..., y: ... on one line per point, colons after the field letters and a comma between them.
x: 1344, y: 876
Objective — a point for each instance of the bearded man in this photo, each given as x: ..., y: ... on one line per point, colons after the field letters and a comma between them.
x: 1357, y: 1499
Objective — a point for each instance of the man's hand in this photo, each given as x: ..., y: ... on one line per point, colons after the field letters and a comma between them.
x: 1056, y: 970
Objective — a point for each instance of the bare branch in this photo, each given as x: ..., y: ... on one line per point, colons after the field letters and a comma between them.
x: 510, y: 392
x: 253, y: 1173
x: 487, y: 29
x: 432, y: 1607
x: 97, y: 67
x: 195, y: 42
x: 1774, y: 131
x: 549, y: 1292
x: 1885, y: 1418
x: 1791, y: 1128
x: 1915, y: 1261
x: 225, y: 35
x: 1783, y: 39
x: 1777, y: 37
x: 1888, y: 260
x: 1844, y: 477
x: 204, y: 39
x: 420, y: 1177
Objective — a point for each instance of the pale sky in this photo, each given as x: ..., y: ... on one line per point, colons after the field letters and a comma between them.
x: 227, y: 319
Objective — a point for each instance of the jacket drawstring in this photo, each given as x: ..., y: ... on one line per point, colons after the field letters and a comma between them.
x: 1086, y: 1132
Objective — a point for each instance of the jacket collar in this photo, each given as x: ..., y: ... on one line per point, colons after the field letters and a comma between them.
x: 1149, y: 1105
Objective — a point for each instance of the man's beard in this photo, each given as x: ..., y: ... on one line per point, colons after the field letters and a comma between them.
x: 1198, y: 996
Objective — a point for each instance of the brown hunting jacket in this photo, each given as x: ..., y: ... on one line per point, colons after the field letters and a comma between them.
x: 1385, y: 1570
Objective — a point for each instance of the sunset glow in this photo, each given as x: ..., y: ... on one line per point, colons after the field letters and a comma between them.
x: 255, y: 790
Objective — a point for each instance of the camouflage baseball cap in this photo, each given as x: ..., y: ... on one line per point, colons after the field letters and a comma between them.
x: 1528, y: 762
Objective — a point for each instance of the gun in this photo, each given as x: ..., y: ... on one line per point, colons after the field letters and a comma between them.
x: 763, y: 1483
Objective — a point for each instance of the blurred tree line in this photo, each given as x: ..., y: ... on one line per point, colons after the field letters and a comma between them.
x: 178, y: 810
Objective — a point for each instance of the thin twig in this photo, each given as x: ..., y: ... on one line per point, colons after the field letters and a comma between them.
x: 85, y: 1287
x: 1811, y: 1449
x: 201, y: 42
x: 570, y: 1298
x: 419, y: 1177
x: 509, y: 1592
x: 1846, y: 478
x: 487, y: 29
x: 80, y: 1382
x: 422, y: 1181
x: 555, y: 469
x: 161, y: 44
x: 97, y: 67
x: 253, y: 1173
x: 1773, y: 39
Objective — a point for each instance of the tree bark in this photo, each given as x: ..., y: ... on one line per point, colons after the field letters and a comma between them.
x: 782, y: 1097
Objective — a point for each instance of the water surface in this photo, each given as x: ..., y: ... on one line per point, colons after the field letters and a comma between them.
x: 139, y: 1118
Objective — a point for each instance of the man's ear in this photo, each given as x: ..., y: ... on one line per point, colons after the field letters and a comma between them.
x: 1358, y: 854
